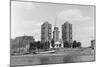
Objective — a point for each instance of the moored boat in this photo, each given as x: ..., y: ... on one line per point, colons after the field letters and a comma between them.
x: 45, y: 52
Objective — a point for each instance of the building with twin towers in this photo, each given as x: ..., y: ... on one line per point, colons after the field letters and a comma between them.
x: 47, y: 35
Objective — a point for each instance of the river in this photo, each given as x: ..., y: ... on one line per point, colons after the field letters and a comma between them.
x: 49, y: 59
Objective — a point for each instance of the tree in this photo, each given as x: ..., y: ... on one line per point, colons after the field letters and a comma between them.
x: 59, y: 45
x: 46, y: 45
x: 41, y: 45
x: 38, y: 45
x: 66, y: 44
x: 78, y: 44
x: 74, y: 44
x: 52, y: 43
x: 31, y: 46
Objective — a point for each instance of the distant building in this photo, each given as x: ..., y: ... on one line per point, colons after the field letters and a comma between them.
x: 46, y: 30
x: 93, y: 44
x: 25, y: 40
x: 21, y: 44
x: 67, y: 32
x: 56, y: 36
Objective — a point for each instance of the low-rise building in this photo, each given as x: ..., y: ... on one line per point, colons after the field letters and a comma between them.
x: 21, y: 44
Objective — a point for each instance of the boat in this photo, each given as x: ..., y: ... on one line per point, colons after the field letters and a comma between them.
x: 45, y: 52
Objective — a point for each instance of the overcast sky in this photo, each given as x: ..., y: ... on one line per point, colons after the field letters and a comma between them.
x: 27, y: 17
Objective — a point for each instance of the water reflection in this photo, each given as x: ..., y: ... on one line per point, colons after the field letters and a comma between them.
x: 34, y: 60
x: 44, y: 60
x: 66, y: 59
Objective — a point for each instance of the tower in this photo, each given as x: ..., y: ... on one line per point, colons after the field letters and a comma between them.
x: 67, y: 34
x: 46, y: 29
x: 56, y: 34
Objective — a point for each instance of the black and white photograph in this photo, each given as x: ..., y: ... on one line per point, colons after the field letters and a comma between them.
x: 44, y: 33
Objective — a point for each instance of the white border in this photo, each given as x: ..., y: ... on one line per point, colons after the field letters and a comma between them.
x: 5, y: 33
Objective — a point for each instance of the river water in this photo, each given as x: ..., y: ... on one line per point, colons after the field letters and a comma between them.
x: 49, y: 59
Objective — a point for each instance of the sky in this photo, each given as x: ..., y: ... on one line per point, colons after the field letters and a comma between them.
x: 27, y: 17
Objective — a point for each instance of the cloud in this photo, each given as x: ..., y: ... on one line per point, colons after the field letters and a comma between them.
x: 29, y: 5
x: 23, y: 5
x: 27, y: 27
x: 72, y: 15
